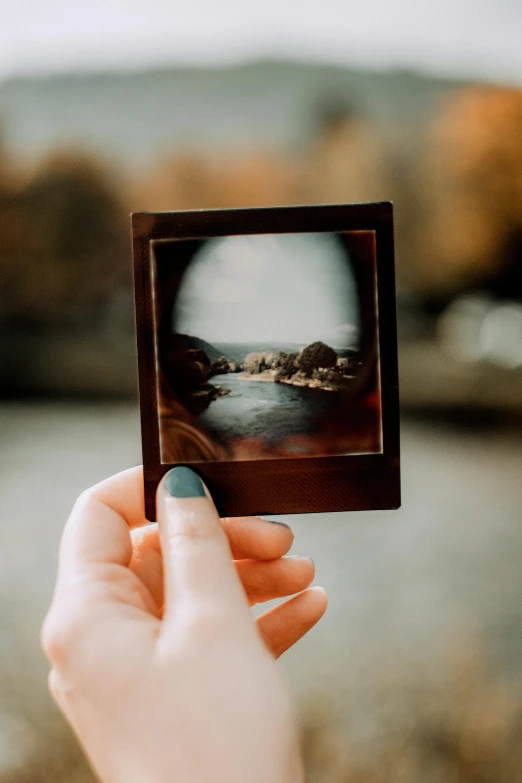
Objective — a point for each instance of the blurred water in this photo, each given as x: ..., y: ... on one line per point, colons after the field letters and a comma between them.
x: 404, y: 586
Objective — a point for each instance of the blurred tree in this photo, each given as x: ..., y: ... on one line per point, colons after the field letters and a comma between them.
x: 345, y: 161
x: 12, y: 233
x: 193, y: 181
x: 73, y: 250
x: 475, y: 174
x: 257, y: 179
x: 181, y: 181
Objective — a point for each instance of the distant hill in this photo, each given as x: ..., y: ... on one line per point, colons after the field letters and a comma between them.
x: 186, y: 342
x: 236, y: 352
x: 133, y: 117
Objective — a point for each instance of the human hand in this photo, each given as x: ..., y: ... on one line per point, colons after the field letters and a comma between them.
x: 157, y: 662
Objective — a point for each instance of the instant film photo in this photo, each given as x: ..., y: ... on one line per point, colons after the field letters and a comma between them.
x: 267, y: 355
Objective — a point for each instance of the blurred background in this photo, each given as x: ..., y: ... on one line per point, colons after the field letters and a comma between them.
x: 415, y: 673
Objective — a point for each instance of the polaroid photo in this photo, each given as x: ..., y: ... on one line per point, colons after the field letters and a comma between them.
x: 267, y: 355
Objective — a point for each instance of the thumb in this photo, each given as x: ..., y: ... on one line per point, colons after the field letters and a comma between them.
x: 197, y: 560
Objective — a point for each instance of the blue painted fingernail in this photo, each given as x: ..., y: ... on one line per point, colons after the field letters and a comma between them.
x: 182, y: 482
x: 277, y: 522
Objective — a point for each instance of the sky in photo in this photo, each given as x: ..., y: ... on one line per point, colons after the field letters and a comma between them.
x: 462, y: 37
x: 286, y: 288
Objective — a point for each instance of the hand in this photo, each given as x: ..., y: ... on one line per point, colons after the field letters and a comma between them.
x: 166, y: 676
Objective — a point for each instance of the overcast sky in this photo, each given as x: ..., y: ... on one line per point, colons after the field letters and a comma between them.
x: 465, y: 37
x: 288, y: 288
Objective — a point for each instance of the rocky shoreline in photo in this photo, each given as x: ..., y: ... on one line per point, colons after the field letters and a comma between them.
x: 317, y: 366
x: 189, y: 369
x: 327, y: 380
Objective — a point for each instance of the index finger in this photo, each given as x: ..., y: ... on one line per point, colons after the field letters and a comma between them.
x: 98, y: 528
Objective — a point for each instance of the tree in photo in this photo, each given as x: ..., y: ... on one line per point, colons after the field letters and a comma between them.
x: 255, y: 363
x: 315, y: 356
x: 288, y: 366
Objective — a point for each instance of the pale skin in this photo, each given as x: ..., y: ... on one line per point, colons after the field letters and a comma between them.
x: 157, y: 661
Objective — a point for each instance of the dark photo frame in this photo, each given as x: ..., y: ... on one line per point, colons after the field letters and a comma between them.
x: 344, y: 457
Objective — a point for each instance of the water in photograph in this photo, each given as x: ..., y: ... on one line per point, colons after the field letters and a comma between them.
x: 274, y: 411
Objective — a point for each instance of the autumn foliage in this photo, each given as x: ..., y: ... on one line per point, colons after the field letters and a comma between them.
x: 456, y: 184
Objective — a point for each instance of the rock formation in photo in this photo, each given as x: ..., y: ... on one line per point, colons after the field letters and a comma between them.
x: 188, y: 370
x: 317, y: 366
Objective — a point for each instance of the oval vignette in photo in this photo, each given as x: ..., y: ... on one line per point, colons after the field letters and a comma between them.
x: 262, y: 348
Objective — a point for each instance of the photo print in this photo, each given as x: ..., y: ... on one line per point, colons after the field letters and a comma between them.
x: 260, y: 348
x: 267, y: 355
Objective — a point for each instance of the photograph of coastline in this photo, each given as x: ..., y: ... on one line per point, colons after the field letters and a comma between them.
x: 261, y: 350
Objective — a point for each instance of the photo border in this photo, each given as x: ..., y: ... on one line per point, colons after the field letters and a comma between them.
x: 276, y: 486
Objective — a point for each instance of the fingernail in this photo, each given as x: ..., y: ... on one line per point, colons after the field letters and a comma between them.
x: 277, y: 522
x: 182, y: 482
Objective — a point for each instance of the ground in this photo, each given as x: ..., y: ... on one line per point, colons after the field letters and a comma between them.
x: 418, y: 597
